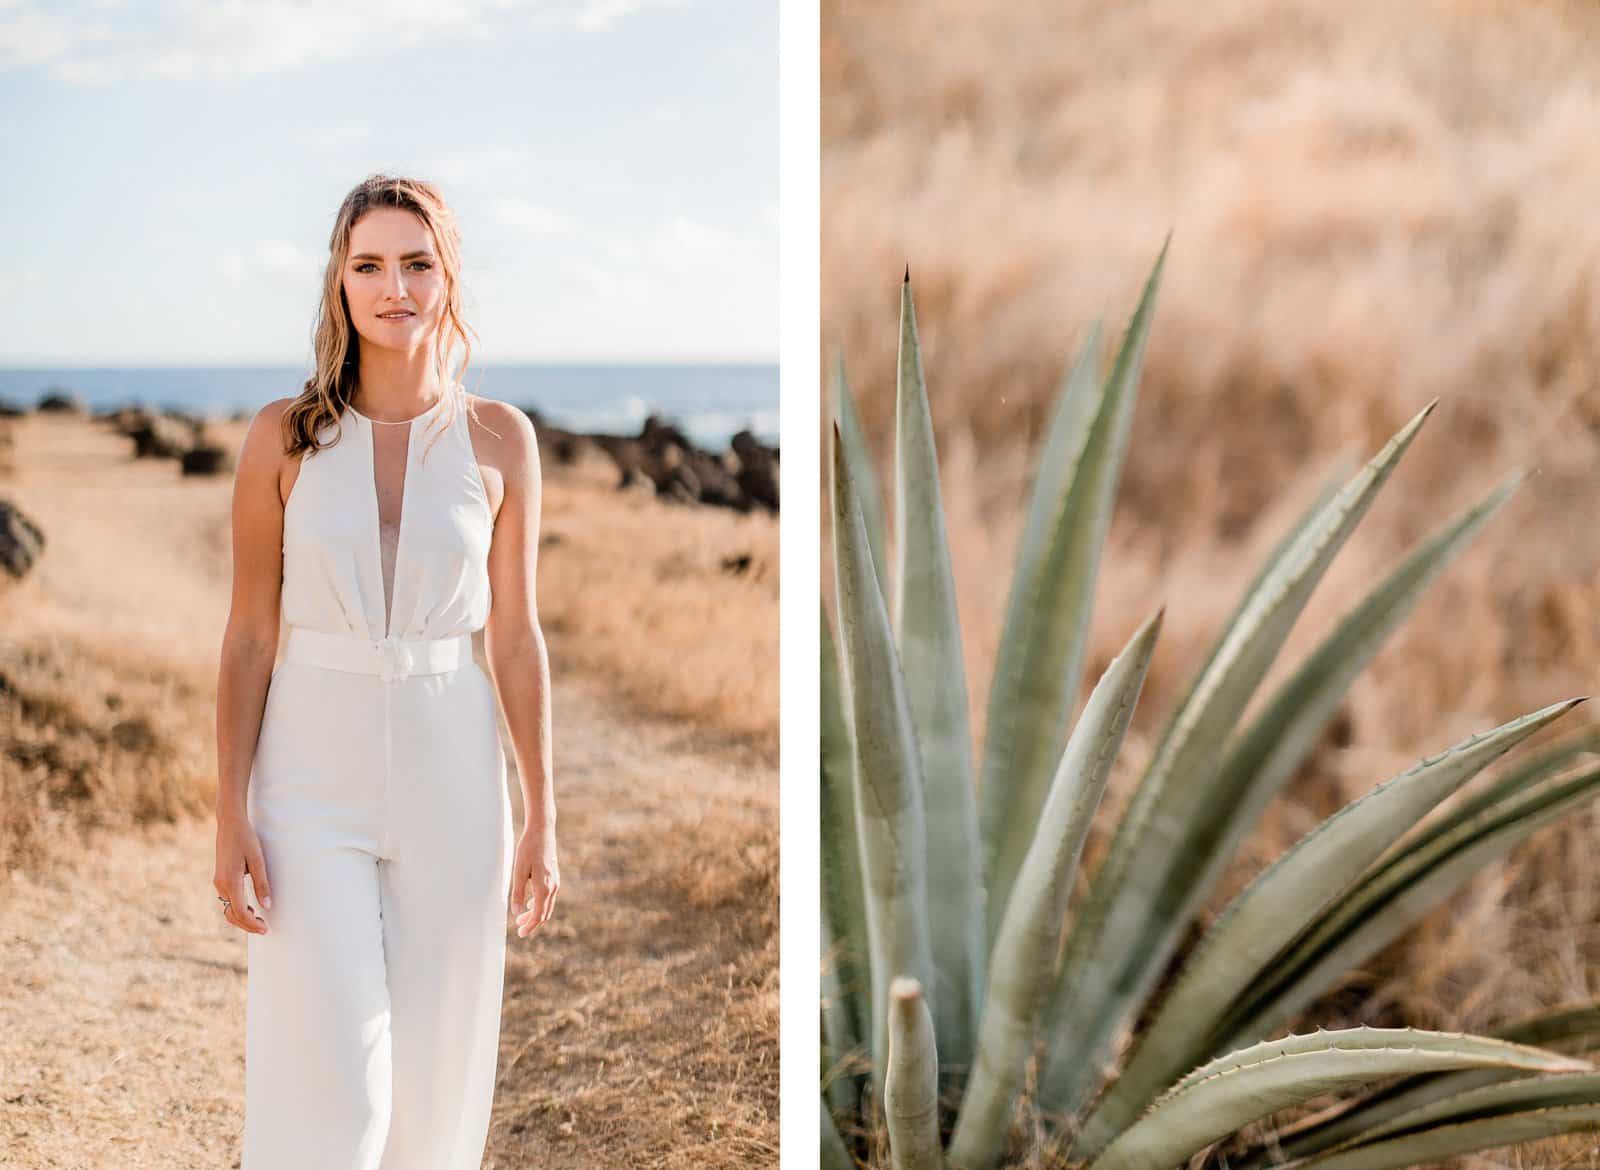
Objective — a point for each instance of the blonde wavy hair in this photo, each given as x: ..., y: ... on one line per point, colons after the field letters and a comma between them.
x: 330, y: 388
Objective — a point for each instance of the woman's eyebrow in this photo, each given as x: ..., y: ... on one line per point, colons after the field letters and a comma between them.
x: 373, y: 256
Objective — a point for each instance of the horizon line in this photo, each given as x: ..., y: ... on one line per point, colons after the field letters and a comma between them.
x: 263, y: 363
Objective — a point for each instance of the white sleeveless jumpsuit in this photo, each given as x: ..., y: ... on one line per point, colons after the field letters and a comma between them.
x: 378, y: 791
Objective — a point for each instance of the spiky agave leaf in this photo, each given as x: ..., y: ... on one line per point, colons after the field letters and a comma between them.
x: 1270, y: 912
x: 1339, y: 473
x: 1314, y: 539
x: 1278, y: 740
x: 835, y: 1155
x: 1262, y: 758
x: 1045, y: 633
x: 844, y: 916
x: 1025, y: 951
x: 1385, y: 904
x: 1479, y: 1119
x: 1039, y: 660
x: 1130, y: 926
x: 869, y: 496
x: 888, y: 780
x: 1573, y: 1031
x: 1242, y: 1087
x: 922, y: 610
x: 841, y: 1040
x: 1566, y: 1029
x: 1519, y: 780
x: 911, y: 1092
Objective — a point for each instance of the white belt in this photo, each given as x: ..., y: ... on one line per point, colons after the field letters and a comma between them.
x: 390, y: 658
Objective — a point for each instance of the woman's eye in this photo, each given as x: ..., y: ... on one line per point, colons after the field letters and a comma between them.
x: 424, y: 265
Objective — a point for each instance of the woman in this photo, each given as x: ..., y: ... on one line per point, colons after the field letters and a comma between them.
x: 362, y: 784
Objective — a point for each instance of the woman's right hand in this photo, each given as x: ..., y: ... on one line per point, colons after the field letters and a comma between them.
x: 238, y: 853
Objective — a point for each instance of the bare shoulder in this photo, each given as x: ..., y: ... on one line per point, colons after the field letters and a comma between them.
x: 505, y: 432
x: 270, y: 417
x: 262, y: 449
x: 258, y: 488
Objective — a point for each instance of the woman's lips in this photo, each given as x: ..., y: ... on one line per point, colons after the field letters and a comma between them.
x: 396, y: 317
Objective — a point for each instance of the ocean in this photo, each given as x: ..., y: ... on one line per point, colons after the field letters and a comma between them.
x: 709, y: 402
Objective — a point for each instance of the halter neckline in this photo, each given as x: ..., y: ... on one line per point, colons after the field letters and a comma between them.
x: 395, y: 422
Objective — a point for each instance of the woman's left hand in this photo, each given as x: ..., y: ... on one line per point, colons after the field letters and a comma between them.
x: 536, y: 864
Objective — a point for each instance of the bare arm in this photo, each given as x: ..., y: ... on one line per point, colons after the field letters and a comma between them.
x: 518, y: 659
x: 249, y: 645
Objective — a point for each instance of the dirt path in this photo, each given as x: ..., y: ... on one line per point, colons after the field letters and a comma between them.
x: 640, y: 1024
x: 122, y: 1036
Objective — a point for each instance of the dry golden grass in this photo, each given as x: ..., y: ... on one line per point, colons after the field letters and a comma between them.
x: 651, y: 595
x: 108, y: 648
x: 640, y: 1024
x: 1371, y: 205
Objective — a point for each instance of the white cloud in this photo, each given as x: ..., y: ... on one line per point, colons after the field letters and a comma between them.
x: 603, y: 15
x: 284, y: 257
x: 530, y: 217
x: 600, y: 15
x: 225, y: 39
x: 685, y: 241
x: 31, y: 37
x: 235, y: 39
x: 275, y: 260
x: 618, y: 284
x: 480, y: 166
x: 87, y: 72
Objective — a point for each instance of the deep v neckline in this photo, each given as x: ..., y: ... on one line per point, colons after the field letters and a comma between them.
x: 390, y: 594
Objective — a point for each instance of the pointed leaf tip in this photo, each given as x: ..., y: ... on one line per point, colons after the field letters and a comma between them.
x: 1152, y: 624
x: 908, y: 272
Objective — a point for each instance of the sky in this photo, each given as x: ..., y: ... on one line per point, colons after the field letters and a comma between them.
x: 172, y: 169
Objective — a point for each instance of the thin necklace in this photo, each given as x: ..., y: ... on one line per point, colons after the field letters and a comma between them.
x: 400, y: 422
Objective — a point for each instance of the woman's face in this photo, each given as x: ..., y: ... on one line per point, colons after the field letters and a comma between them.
x: 393, y: 269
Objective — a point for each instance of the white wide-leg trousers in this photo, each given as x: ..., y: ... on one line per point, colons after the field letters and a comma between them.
x: 373, y: 1017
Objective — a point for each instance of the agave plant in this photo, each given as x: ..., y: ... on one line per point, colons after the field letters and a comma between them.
x: 953, y: 963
